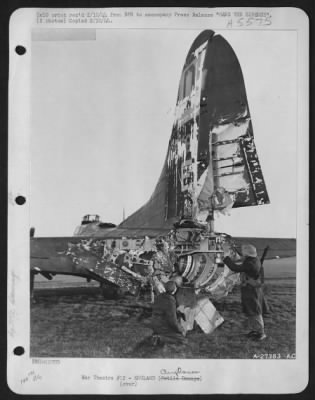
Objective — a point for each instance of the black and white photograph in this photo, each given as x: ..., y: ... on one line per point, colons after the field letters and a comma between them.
x: 158, y: 193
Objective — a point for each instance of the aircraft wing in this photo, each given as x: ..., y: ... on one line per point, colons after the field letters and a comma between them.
x: 211, y: 165
x: 52, y: 254
x: 77, y: 256
x: 278, y: 247
x: 84, y: 256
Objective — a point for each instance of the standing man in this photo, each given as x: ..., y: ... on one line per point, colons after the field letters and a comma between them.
x: 251, y: 288
x: 165, y: 325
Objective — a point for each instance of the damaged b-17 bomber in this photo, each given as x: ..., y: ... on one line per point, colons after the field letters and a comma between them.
x: 211, y: 167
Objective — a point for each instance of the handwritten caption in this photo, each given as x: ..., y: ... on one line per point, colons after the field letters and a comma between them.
x: 32, y: 376
x: 178, y: 374
x: 233, y: 19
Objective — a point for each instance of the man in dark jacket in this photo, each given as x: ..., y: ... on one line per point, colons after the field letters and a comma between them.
x: 251, y: 289
x: 165, y: 324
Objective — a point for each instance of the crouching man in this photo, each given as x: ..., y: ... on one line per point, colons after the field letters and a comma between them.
x: 251, y: 288
x: 165, y: 325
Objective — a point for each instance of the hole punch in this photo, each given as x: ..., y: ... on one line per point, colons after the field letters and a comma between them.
x: 20, y: 50
x: 20, y: 200
x: 19, y: 351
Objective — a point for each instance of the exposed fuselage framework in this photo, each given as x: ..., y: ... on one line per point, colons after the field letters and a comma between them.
x: 211, y: 163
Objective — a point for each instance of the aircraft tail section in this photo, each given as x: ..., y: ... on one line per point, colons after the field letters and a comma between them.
x: 152, y: 214
x: 211, y: 163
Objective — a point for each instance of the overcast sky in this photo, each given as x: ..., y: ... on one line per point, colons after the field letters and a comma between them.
x: 102, y: 114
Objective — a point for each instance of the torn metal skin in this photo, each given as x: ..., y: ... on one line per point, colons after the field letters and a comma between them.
x: 211, y: 167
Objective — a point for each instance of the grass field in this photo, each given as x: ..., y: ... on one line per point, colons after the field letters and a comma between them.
x: 85, y: 325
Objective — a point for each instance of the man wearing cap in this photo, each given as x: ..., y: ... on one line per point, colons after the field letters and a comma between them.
x: 251, y: 288
x: 165, y: 325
